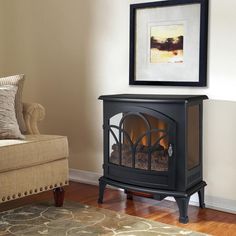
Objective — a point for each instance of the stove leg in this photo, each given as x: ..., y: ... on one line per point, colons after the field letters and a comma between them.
x: 102, y: 186
x: 129, y: 194
x: 182, y: 203
x: 201, y: 197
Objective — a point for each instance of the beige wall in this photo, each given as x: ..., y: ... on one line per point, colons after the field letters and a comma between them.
x: 72, y: 51
x: 1, y: 37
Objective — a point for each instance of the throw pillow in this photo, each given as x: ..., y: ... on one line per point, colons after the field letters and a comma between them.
x: 9, y: 127
x: 17, y: 80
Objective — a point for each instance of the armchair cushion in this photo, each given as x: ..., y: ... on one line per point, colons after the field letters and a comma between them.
x: 34, y: 150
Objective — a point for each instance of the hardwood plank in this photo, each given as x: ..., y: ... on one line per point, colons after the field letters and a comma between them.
x: 203, y: 220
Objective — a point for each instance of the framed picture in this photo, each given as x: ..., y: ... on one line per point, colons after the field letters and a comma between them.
x: 168, y: 43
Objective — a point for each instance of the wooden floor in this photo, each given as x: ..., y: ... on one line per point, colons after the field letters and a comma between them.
x: 202, y: 220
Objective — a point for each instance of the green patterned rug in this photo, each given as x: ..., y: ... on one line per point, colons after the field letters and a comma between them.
x: 80, y: 220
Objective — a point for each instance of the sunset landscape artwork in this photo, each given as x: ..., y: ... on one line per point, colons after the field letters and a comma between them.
x: 167, y: 44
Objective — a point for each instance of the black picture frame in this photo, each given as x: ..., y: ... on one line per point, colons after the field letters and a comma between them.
x: 199, y: 79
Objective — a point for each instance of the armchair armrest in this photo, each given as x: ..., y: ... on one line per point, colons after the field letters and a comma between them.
x: 33, y: 113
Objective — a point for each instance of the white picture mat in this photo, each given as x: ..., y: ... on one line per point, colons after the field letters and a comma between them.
x: 188, y: 71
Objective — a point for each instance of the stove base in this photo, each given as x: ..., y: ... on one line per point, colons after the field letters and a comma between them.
x: 181, y: 198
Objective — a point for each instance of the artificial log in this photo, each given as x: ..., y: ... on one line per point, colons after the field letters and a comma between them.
x: 159, y: 157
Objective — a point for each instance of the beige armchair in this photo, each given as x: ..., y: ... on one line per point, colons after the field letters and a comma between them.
x: 38, y: 163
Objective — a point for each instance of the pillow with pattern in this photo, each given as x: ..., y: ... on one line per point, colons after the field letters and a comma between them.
x: 9, y: 128
x: 17, y: 80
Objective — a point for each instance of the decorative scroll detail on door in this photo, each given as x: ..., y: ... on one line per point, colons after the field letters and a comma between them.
x: 140, y: 141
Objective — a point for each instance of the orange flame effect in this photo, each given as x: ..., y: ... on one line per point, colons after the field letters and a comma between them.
x: 135, y: 126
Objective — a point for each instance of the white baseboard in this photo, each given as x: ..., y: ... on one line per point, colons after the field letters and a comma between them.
x: 82, y: 176
x: 212, y: 202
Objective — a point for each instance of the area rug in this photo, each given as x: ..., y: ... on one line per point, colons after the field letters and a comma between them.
x: 80, y: 220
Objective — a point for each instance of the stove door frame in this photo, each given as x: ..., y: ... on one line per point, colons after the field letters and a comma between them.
x: 139, y: 177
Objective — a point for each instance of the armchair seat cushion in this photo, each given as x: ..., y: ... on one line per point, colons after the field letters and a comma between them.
x: 34, y: 150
